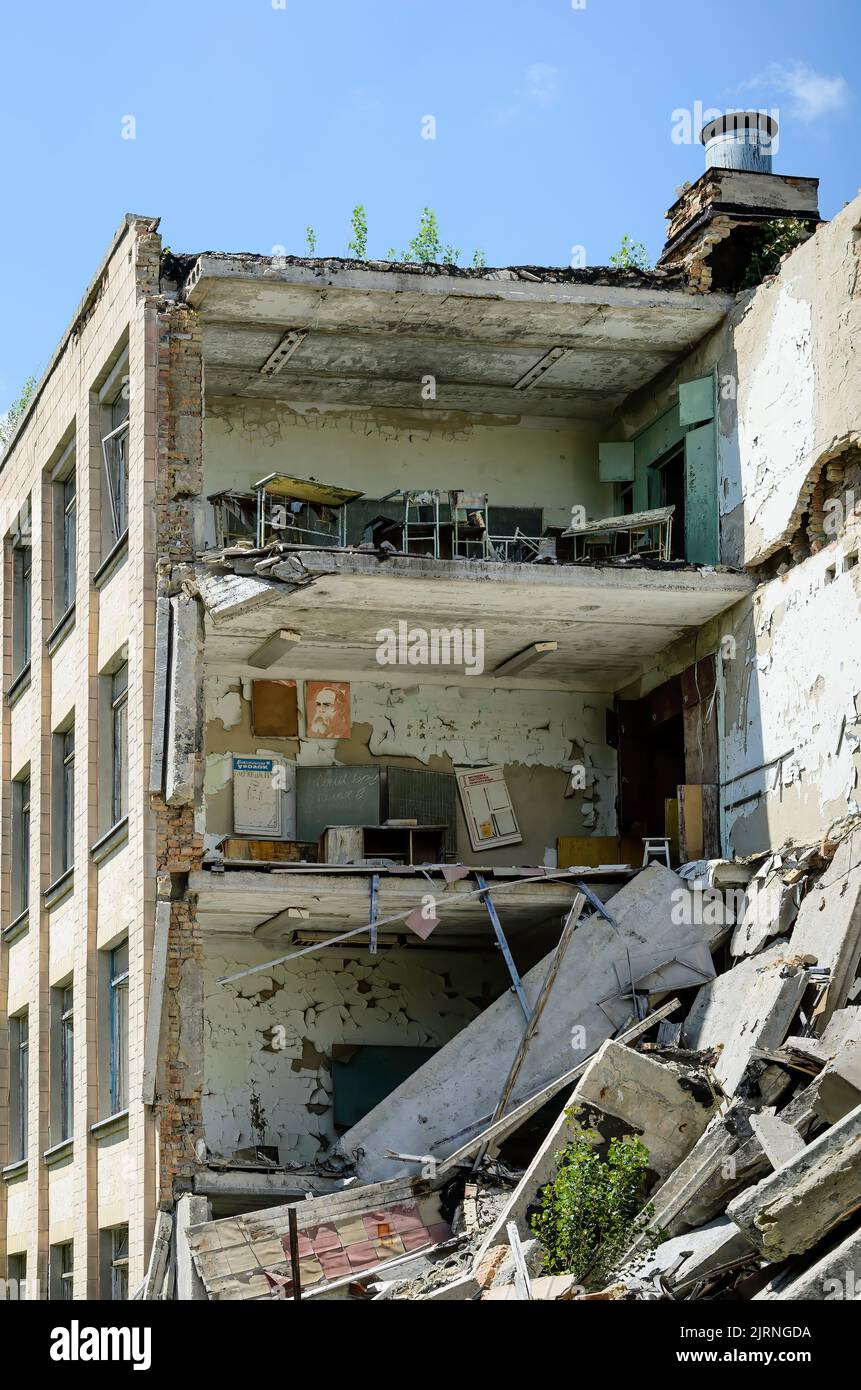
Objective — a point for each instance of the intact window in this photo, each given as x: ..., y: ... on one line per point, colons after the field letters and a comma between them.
x: 68, y: 501
x: 60, y: 1265
x: 119, y: 743
x: 64, y: 802
x: 67, y: 1063
x: 20, y: 846
x: 22, y: 603
x: 118, y: 1009
x: 19, y: 1049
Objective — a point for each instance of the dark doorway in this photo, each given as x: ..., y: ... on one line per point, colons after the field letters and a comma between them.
x: 667, y: 489
x: 651, y: 759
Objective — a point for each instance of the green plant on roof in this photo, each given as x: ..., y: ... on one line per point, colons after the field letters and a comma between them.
x: 771, y: 242
x: 311, y: 241
x: 358, y: 243
x: 427, y: 246
x: 15, y: 411
x: 631, y: 255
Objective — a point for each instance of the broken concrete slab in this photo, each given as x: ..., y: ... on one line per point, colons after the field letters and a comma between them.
x: 459, y: 1290
x: 836, y: 1275
x: 671, y: 1113
x: 668, y: 1105
x: 750, y: 1006
x: 433, y: 1110
x: 190, y: 1211
x: 839, y: 1084
x: 780, y: 1142
x: 546, y: 1288
x: 794, y: 1207
x: 686, y: 1259
x: 829, y: 921
x: 770, y: 907
x: 726, y: 1160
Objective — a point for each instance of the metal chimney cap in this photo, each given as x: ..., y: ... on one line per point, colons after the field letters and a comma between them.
x: 735, y: 121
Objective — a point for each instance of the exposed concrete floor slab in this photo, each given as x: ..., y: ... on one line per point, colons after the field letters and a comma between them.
x: 608, y: 621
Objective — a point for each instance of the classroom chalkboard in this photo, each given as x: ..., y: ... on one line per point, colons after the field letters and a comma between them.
x: 430, y: 797
x: 336, y: 796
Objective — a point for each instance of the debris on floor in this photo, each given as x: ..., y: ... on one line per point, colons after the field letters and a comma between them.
x: 717, y: 1082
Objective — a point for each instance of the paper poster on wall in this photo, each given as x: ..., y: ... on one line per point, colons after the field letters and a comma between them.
x: 327, y: 709
x: 258, y: 796
x: 490, y: 817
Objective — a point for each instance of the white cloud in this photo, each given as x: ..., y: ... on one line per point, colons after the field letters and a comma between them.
x: 542, y: 83
x: 812, y: 94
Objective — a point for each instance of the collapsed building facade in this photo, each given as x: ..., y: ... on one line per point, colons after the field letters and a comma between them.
x: 362, y: 624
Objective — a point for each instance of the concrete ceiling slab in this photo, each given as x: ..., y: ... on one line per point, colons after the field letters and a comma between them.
x: 373, y: 335
x: 609, y: 623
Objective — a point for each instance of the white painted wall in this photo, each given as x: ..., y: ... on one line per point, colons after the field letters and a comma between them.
x: 533, y: 463
x: 776, y: 410
x: 795, y: 689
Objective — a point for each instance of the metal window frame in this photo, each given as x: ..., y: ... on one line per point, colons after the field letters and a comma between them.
x: 119, y: 744
x: 20, y: 1058
x: 70, y: 538
x: 117, y: 494
x: 118, y: 980
x: 22, y: 602
x: 119, y: 1264
x: 67, y: 1060
x: 21, y: 842
x: 67, y: 842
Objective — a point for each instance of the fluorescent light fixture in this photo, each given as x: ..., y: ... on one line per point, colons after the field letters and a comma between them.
x: 541, y: 366
x: 284, y: 351
x: 527, y: 657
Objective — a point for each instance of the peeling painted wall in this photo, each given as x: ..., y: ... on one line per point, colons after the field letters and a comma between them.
x: 775, y: 415
x: 789, y: 390
x: 406, y: 998
x: 535, y: 734
x: 793, y: 704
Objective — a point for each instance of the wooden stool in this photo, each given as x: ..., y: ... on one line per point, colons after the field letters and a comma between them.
x: 656, y: 847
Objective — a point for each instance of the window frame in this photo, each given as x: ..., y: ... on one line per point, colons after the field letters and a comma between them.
x: 119, y: 1263
x: 67, y: 1062
x: 114, y: 444
x: 21, y: 825
x: 118, y: 1028
x: 16, y: 1276
x: 61, y: 1267
x: 19, y: 1086
x: 69, y: 573
x: 119, y: 701
x: 22, y: 605
x: 63, y: 804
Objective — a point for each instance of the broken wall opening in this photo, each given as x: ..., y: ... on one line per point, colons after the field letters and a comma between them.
x: 272, y: 1041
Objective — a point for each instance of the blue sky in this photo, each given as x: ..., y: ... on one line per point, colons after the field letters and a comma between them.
x: 254, y: 118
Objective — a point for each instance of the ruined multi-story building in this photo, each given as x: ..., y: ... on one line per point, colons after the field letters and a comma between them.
x: 324, y: 578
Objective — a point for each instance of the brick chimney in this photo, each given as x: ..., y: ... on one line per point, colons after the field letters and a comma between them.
x: 715, y: 223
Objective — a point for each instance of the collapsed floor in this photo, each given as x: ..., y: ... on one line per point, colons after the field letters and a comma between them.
x: 721, y: 1028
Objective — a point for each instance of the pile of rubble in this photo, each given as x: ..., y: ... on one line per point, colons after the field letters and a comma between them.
x: 723, y: 1031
